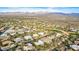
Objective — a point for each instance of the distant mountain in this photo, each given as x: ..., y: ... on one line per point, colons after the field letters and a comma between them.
x: 67, y: 14
x: 40, y: 13
x: 25, y: 13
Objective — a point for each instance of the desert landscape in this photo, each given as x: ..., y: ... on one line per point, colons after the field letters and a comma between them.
x: 38, y: 32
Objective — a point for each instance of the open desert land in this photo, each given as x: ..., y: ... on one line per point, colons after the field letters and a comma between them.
x: 38, y: 32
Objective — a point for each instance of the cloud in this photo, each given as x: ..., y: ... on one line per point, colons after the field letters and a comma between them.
x: 38, y: 9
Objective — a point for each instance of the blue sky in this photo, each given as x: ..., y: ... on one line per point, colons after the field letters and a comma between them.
x: 44, y: 9
x: 40, y: 5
